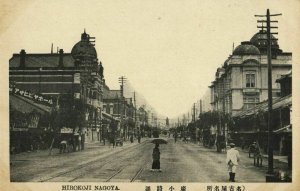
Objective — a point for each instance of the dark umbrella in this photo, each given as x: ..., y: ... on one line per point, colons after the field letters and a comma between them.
x: 159, y: 141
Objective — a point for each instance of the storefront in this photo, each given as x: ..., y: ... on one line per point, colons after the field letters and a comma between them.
x: 29, y: 124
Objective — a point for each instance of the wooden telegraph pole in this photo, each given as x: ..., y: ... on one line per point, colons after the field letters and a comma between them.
x: 122, y: 80
x: 135, y: 110
x: 270, y: 173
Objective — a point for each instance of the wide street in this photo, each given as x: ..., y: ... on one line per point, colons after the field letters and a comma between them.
x: 180, y: 162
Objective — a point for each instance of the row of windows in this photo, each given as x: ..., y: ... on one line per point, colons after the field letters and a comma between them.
x: 250, y: 82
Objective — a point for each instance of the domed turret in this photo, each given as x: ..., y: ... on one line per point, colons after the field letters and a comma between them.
x: 260, y: 41
x: 246, y: 48
x: 84, y: 48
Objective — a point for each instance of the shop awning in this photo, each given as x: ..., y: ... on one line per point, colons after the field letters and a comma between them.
x: 25, y: 105
x: 278, y: 103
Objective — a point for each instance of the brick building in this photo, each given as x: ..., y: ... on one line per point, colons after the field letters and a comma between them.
x: 72, y: 81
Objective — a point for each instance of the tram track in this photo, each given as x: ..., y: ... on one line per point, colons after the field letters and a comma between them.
x: 83, y: 170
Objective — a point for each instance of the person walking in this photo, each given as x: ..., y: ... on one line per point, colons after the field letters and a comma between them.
x: 82, y: 140
x: 62, y: 146
x: 232, y: 159
x: 131, y: 138
x: 257, y: 158
x: 139, y: 138
x: 79, y: 142
x: 156, y: 158
x: 113, y: 140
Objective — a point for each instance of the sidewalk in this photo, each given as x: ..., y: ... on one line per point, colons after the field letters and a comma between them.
x: 280, y: 163
x: 87, y: 147
x: 282, y: 159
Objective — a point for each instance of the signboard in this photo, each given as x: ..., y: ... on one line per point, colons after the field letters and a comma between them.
x: 19, y: 129
x: 77, y: 78
x: 66, y: 130
x: 77, y: 95
x: 32, y: 96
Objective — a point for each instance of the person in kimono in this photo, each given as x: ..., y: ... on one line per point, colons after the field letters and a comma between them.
x: 156, y: 158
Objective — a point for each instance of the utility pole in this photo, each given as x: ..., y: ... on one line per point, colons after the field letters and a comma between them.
x: 122, y: 81
x: 270, y: 173
x: 194, y: 112
x: 200, y: 106
x: 152, y: 120
x: 134, y: 100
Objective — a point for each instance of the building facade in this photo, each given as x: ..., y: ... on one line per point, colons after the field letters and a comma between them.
x: 72, y: 81
x: 122, y: 109
x: 252, y: 124
x: 242, y: 81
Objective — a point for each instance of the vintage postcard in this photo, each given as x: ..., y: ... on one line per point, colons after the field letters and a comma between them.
x: 149, y: 95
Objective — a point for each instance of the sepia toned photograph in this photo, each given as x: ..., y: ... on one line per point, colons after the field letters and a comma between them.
x: 102, y: 95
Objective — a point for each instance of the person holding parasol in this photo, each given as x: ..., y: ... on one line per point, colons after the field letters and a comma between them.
x: 156, y: 154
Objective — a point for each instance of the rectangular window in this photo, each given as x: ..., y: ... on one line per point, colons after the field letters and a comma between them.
x: 116, y: 108
x: 107, y: 109
x: 250, y: 80
x: 250, y: 101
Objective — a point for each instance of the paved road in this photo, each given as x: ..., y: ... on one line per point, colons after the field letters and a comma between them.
x: 180, y: 162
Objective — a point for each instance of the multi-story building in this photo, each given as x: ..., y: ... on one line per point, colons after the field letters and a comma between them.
x: 242, y: 81
x: 121, y: 108
x: 142, y: 120
x: 72, y: 81
x: 252, y: 124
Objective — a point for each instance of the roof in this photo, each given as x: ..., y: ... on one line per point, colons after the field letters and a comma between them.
x: 260, y: 40
x: 285, y: 76
x: 42, y: 60
x: 84, y: 47
x: 111, y: 94
x: 246, y: 48
x: 263, y: 106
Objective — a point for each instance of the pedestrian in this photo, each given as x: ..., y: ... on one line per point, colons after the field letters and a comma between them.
x: 98, y: 134
x: 112, y: 139
x: 156, y: 158
x: 79, y: 142
x: 232, y: 160
x: 258, y: 159
x: 131, y: 138
x: 252, y: 149
x: 63, y: 146
x: 82, y: 140
x: 139, y: 138
x: 185, y: 139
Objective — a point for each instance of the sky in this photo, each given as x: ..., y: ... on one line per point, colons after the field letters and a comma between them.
x: 168, y: 50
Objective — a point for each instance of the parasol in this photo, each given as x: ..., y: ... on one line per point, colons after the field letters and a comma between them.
x: 159, y: 141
